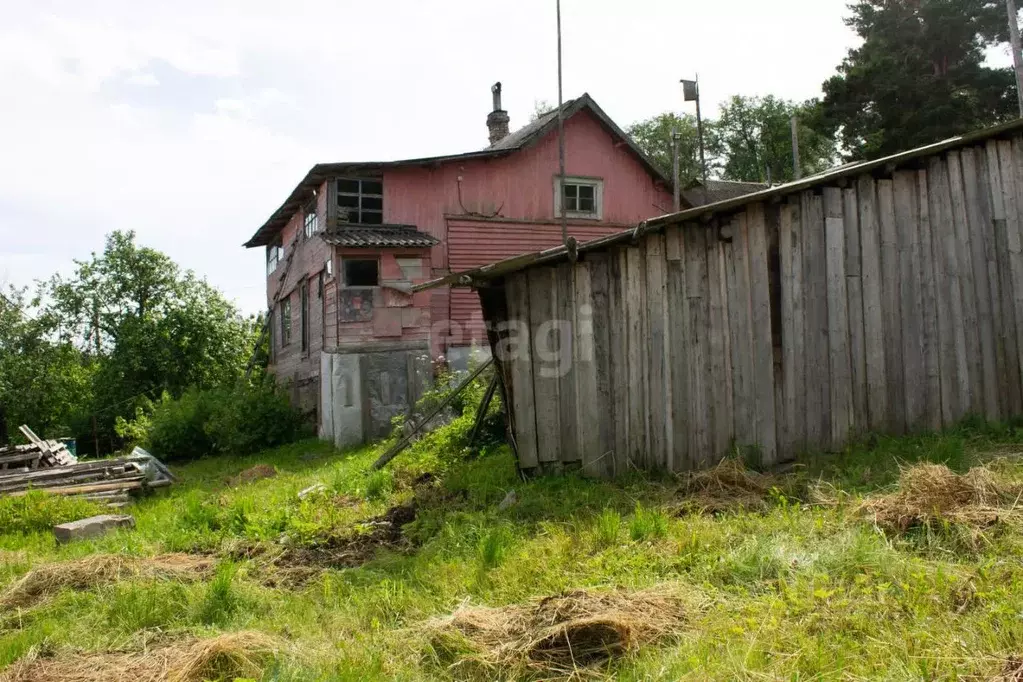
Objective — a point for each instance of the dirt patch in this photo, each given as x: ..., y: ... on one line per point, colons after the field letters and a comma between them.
x: 560, y: 636
x: 230, y: 656
x: 251, y: 475
x: 100, y: 569
x: 729, y: 486
x: 929, y: 493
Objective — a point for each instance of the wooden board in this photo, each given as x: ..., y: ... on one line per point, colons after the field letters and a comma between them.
x: 520, y: 363
x: 718, y: 347
x: 696, y: 292
x: 891, y: 307
x: 587, y: 403
x: 873, y: 316
x: 635, y: 309
x: 618, y: 359
x: 564, y: 322
x: 907, y: 223
x: 972, y: 386
x: 543, y: 306
x: 740, y: 316
x: 1011, y: 201
x: 657, y: 341
x: 942, y: 234
x: 854, y: 290
x: 839, y: 359
x: 763, y: 348
x: 818, y: 394
x: 929, y: 342
x: 678, y: 321
x: 988, y: 369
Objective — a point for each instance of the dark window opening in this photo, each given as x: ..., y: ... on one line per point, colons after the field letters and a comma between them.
x: 360, y: 201
x: 319, y: 285
x: 361, y: 273
x: 305, y: 315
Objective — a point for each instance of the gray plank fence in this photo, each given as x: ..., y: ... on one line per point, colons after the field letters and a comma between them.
x: 880, y: 303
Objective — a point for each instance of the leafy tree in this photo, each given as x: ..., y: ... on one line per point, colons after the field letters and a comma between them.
x: 541, y: 107
x: 44, y: 382
x: 149, y: 327
x: 919, y: 75
x: 754, y: 140
x: 653, y: 136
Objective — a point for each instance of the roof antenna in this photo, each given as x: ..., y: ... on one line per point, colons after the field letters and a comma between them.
x: 572, y: 254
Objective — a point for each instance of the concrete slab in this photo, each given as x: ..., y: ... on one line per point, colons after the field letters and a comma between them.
x: 91, y: 527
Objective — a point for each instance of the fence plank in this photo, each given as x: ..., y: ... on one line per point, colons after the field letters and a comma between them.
x: 740, y: 338
x: 972, y: 388
x: 907, y: 218
x: 991, y: 263
x: 635, y: 309
x: 763, y: 345
x: 593, y: 320
x: 564, y: 351
x: 873, y: 322
x: 854, y: 289
x: 1011, y: 367
x: 678, y: 316
x: 988, y: 372
x: 1011, y: 202
x: 891, y: 306
x: 787, y: 244
x: 929, y: 308
x: 696, y: 292
x: 720, y: 380
x: 656, y: 338
x: 839, y: 361
x: 521, y: 371
x: 587, y: 399
x: 818, y: 395
x: 543, y: 305
x: 941, y: 235
x: 618, y: 360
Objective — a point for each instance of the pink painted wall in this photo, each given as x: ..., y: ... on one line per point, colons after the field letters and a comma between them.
x: 521, y: 187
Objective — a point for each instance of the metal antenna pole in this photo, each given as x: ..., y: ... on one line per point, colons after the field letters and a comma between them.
x: 699, y: 131
x: 797, y: 169
x: 561, y: 141
x: 1017, y: 58
x: 676, y: 190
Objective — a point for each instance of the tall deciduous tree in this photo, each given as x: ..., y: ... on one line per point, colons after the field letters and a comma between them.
x: 653, y: 136
x: 753, y: 140
x: 919, y: 76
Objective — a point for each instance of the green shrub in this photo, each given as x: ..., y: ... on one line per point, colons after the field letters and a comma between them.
x: 221, y: 600
x: 608, y: 528
x: 240, y: 419
x: 493, y: 547
x: 379, y: 484
x: 647, y: 523
x: 38, y: 511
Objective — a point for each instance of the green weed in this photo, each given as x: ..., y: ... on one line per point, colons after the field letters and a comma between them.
x: 607, y: 528
x: 647, y: 524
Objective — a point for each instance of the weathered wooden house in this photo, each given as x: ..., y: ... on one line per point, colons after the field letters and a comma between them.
x: 353, y: 238
x: 884, y: 296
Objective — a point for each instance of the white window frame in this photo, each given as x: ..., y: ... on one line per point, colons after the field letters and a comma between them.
x: 310, y: 222
x: 598, y: 197
x: 274, y: 256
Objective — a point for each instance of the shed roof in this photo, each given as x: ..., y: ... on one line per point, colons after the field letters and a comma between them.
x: 727, y: 206
x: 380, y: 236
x: 520, y: 139
x: 719, y: 190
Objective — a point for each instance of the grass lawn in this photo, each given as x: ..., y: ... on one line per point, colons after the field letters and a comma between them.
x: 788, y: 579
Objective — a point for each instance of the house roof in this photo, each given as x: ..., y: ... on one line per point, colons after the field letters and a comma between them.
x: 886, y: 164
x: 393, y: 236
x: 520, y: 139
x: 719, y: 190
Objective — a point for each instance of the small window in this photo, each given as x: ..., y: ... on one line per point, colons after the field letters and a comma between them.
x: 361, y: 272
x: 319, y: 284
x: 286, y: 321
x: 583, y: 198
x: 311, y: 222
x: 304, y: 314
x: 274, y: 256
x: 360, y: 201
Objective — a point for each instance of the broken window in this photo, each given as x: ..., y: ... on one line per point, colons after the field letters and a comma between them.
x: 286, y: 321
x: 274, y: 256
x: 583, y: 198
x: 311, y: 222
x: 360, y: 201
x: 361, y: 272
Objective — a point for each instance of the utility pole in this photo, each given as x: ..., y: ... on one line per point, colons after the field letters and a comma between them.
x: 691, y: 93
x: 1017, y: 58
x: 797, y: 169
x: 561, y: 142
x: 676, y: 189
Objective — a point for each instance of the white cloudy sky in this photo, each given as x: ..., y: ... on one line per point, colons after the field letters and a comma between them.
x: 190, y: 121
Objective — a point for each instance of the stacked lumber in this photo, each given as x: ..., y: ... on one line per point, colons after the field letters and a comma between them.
x: 48, y: 466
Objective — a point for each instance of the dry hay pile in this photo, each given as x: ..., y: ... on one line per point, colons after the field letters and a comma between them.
x: 933, y: 493
x: 252, y: 474
x: 563, y: 635
x: 230, y: 656
x: 99, y: 569
x: 726, y: 487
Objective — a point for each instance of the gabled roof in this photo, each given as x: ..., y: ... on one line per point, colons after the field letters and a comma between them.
x: 520, y: 139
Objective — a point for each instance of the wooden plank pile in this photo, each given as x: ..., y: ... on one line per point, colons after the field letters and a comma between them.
x: 49, y: 466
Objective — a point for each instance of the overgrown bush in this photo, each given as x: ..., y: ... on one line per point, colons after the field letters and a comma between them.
x: 239, y: 419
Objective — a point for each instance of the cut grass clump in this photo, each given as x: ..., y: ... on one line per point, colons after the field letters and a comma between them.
x: 647, y: 524
x: 227, y: 657
x: 557, y: 636
x: 608, y: 528
x: 99, y: 569
x: 933, y: 493
x: 729, y: 486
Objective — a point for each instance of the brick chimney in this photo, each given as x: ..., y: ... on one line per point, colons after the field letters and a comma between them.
x: 497, y: 120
